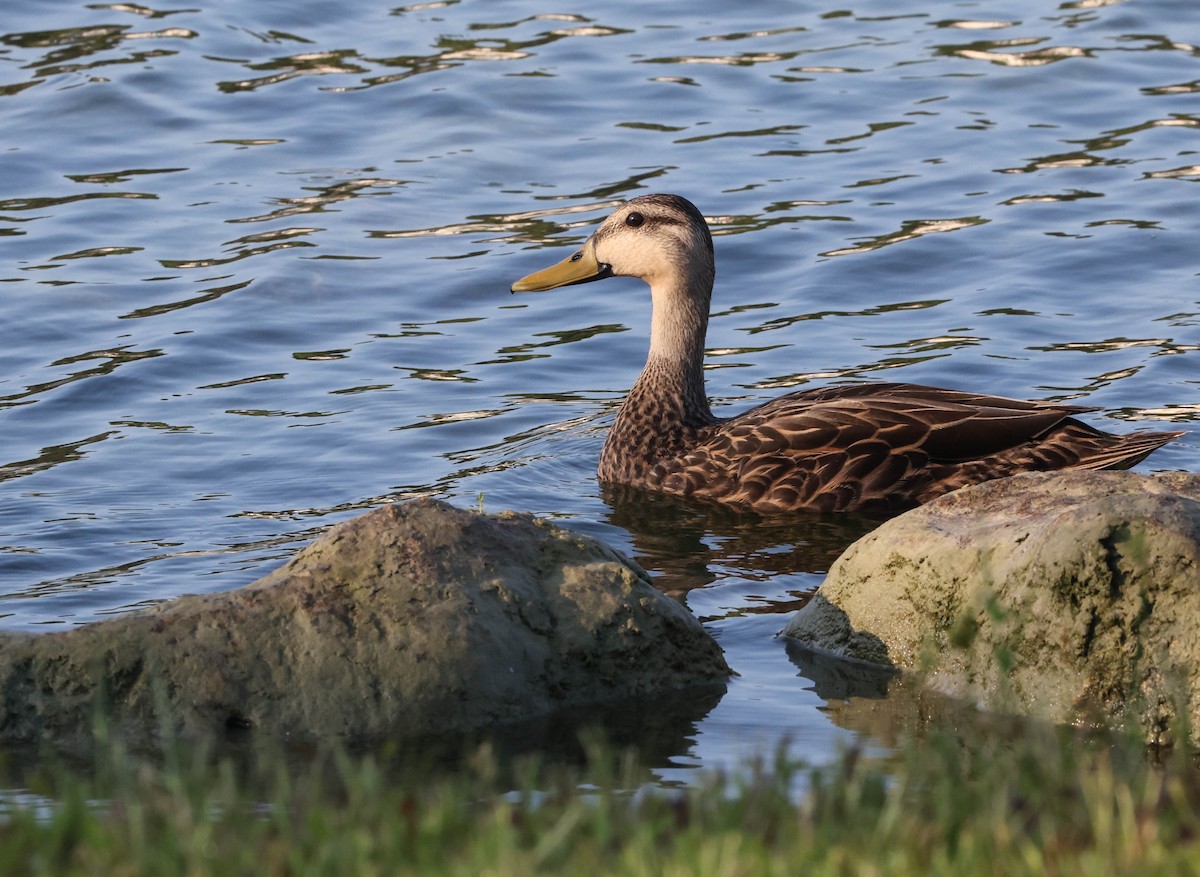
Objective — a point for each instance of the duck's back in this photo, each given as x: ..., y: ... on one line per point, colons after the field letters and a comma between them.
x: 883, y: 446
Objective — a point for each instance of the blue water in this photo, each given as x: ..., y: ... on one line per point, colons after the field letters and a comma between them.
x: 256, y: 257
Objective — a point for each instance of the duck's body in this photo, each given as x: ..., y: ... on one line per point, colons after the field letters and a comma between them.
x: 832, y: 449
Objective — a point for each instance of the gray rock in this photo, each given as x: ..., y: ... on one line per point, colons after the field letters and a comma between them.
x: 410, y: 619
x: 1070, y: 596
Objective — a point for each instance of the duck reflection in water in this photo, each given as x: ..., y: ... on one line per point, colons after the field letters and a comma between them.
x: 683, y: 541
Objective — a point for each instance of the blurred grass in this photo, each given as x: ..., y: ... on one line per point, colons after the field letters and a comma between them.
x: 1042, y: 801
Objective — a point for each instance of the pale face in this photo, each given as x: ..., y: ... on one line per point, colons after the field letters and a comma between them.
x: 661, y: 239
x: 645, y: 240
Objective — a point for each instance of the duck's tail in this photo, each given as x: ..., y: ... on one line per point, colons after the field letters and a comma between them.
x: 1122, y: 451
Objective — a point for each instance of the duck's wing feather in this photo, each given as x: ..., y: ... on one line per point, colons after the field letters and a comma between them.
x: 947, y: 425
x: 885, y: 445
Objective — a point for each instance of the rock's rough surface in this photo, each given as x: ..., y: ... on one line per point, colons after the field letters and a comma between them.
x: 1072, y: 596
x: 410, y: 619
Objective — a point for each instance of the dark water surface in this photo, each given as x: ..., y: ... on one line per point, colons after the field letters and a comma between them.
x: 256, y: 260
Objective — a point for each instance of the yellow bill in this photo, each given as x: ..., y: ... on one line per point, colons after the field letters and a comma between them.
x: 577, y: 268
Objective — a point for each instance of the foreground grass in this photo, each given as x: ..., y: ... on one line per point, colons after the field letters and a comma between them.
x: 1047, y: 803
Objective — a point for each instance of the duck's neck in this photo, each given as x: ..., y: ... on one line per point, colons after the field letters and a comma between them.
x: 666, y: 410
x: 674, y: 371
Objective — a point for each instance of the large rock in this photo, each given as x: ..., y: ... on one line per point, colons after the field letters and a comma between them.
x: 410, y: 619
x: 1072, y: 596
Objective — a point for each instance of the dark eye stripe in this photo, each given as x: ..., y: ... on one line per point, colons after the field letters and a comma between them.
x: 636, y: 220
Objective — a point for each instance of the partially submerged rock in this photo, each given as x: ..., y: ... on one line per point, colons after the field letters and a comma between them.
x: 1071, y: 596
x: 410, y: 619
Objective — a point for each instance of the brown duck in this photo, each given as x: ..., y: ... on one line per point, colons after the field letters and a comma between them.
x: 885, y: 445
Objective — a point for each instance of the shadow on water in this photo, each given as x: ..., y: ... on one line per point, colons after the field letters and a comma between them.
x: 838, y: 679
x: 684, y: 542
x: 649, y: 733
x: 887, y: 707
x: 654, y: 730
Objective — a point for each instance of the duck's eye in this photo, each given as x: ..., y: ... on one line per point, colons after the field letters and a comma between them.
x: 635, y: 219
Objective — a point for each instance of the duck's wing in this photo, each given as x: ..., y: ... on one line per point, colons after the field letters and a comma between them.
x: 947, y: 425
x: 889, y: 445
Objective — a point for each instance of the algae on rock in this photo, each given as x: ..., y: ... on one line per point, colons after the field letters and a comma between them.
x: 1071, y: 596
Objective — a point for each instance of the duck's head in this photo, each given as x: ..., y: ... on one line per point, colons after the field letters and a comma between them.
x: 663, y: 239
